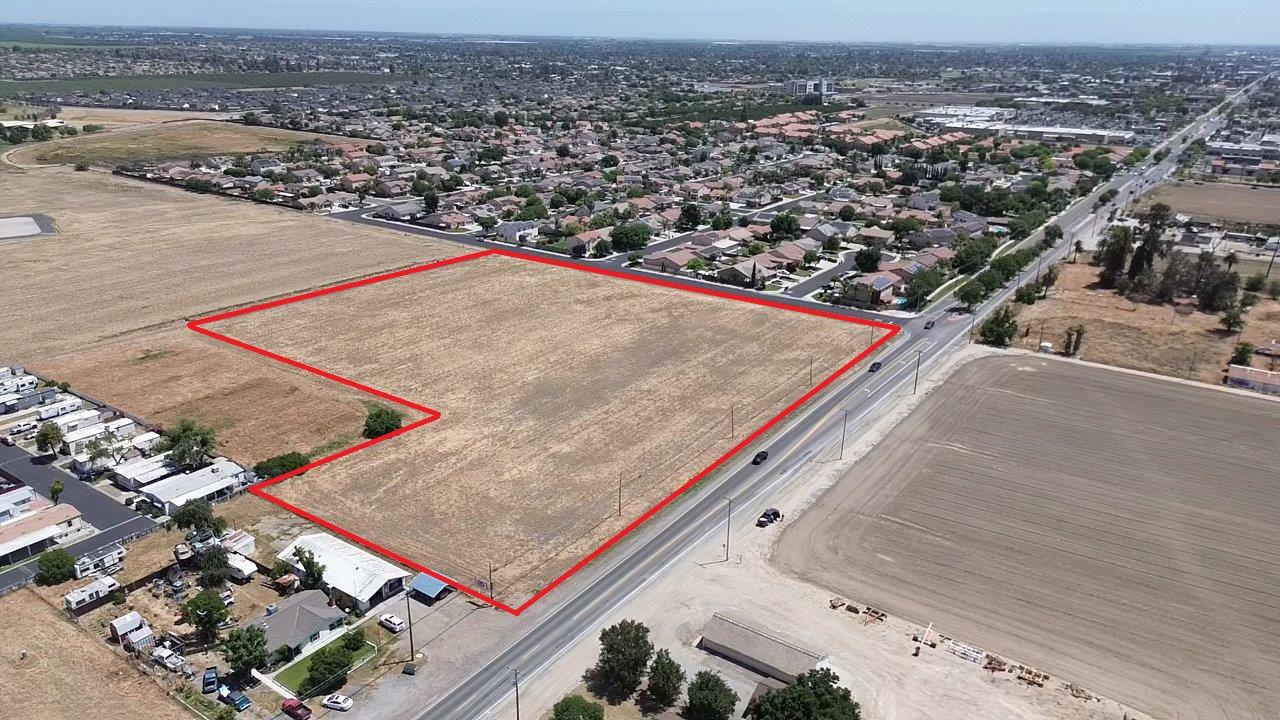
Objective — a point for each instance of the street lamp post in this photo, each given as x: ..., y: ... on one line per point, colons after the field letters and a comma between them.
x: 728, y: 526
x: 516, y: 672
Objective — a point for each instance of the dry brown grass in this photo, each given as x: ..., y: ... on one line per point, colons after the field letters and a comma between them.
x: 67, y: 673
x: 102, y: 303
x: 1114, y: 530
x: 551, y: 382
x: 1171, y: 339
x: 1226, y: 203
x: 167, y: 141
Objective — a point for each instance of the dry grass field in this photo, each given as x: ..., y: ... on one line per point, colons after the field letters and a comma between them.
x: 68, y: 674
x: 552, y: 383
x: 1223, y: 202
x: 1113, y: 529
x: 1173, y: 339
x: 103, y: 302
x: 168, y: 141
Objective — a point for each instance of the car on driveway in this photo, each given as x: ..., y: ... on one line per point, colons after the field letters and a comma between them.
x: 295, y: 709
x: 209, y: 681
x: 392, y: 622
x: 338, y: 702
x: 769, y: 517
x: 760, y: 457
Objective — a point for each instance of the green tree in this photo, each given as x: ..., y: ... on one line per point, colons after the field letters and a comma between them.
x: 312, y: 570
x: 279, y: 465
x: 722, y: 221
x: 576, y: 707
x: 1114, y: 251
x: 922, y: 286
x: 666, y: 678
x: 430, y: 201
x: 813, y: 696
x: 1242, y: 355
x: 328, y: 670
x: 354, y: 640
x: 55, y: 490
x: 625, y: 650
x: 214, y: 567
x: 188, y: 443
x: 709, y: 698
x: 695, y: 265
x: 48, y: 438
x: 1052, y: 235
x: 245, y: 649
x: 55, y: 566
x: 198, y: 515
x: 632, y: 236
x: 972, y: 293
x: 1253, y: 283
x: 380, y: 421
x: 999, y: 329
x: 690, y: 216
x: 784, y: 227
x: 867, y: 259
x: 1233, y: 318
x: 848, y: 213
x: 205, y: 612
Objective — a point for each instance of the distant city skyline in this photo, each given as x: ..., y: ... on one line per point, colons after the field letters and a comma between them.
x: 1240, y: 22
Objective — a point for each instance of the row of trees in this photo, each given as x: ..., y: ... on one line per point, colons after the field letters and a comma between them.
x: 627, y: 659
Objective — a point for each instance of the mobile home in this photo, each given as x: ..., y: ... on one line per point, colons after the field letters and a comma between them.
x: 95, y: 590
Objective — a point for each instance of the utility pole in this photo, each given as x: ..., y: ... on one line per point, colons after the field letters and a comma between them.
x: 1273, y: 259
x: 844, y: 430
x: 619, y: 493
x: 728, y: 522
x: 916, y: 385
x: 810, y: 371
x: 973, y: 320
x: 516, y: 672
x: 408, y: 609
x: 492, y: 589
x: 732, y: 433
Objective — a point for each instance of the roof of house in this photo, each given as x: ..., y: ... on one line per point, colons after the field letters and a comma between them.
x: 760, y: 646
x: 180, y: 488
x: 297, y: 618
x: 346, y: 567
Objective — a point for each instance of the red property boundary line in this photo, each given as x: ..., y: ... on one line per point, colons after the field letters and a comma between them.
x: 431, y: 415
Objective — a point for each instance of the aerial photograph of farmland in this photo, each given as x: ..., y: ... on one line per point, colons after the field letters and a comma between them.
x: 676, y: 361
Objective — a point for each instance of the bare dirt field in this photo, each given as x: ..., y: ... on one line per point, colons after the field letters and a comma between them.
x: 103, y: 302
x: 552, y: 383
x: 1228, y: 203
x: 1171, y: 339
x: 68, y: 674
x: 168, y: 141
x: 1113, y: 529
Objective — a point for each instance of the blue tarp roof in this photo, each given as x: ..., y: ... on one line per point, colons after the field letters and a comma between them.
x: 427, y: 585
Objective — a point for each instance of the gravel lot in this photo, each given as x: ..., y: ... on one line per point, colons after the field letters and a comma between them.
x: 1111, y: 528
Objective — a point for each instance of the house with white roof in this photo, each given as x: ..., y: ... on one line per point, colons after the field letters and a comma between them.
x: 220, y: 479
x: 361, y: 578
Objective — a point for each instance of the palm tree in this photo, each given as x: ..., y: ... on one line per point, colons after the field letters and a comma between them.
x: 1230, y: 260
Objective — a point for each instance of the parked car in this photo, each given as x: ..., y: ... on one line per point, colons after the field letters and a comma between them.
x: 295, y: 709
x: 22, y: 427
x: 209, y: 681
x: 338, y: 702
x: 7, y: 440
x: 167, y: 658
x: 392, y: 622
x: 760, y: 457
x: 768, y: 517
x: 875, y: 366
x: 235, y: 699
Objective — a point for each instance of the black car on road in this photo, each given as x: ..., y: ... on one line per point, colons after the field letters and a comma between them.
x: 760, y: 457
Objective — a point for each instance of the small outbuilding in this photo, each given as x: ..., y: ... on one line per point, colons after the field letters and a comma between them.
x: 757, y: 650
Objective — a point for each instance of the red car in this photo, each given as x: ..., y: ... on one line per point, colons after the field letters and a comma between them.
x: 295, y: 709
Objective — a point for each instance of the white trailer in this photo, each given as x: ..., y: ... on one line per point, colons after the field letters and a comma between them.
x: 59, y: 409
x: 18, y: 383
x: 75, y: 420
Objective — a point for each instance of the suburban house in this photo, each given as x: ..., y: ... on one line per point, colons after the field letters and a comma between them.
x: 587, y: 241
x: 402, y: 212
x: 304, y: 620
x: 518, y: 233
x: 874, y: 291
x: 669, y: 261
x: 752, y: 272
x: 358, y: 578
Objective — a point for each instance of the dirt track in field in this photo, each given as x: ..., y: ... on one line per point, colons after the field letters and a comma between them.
x: 551, y: 382
x: 1113, y: 529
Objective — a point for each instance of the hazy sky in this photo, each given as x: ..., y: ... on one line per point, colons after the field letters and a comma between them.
x: 1107, y: 21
